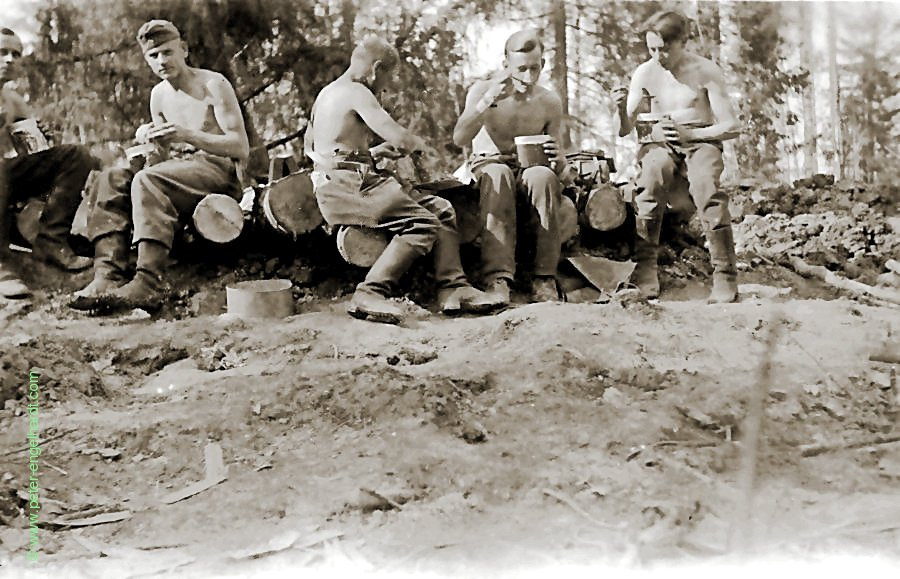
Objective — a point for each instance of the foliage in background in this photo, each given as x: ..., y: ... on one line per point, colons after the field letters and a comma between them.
x: 87, y: 74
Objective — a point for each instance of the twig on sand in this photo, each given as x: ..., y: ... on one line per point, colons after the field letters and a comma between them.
x: 571, y: 504
x: 56, y: 468
x: 739, y: 533
x: 818, y: 362
x: 384, y: 498
x: 808, y: 450
x: 42, y: 441
x: 838, y: 281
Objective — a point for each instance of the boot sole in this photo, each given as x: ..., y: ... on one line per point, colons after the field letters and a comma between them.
x: 735, y: 300
x: 108, y: 305
x: 485, y: 309
x: 379, y: 317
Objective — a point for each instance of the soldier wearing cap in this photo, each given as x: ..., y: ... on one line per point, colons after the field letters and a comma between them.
x: 689, y: 91
x: 351, y: 191
x: 197, y: 121
x: 58, y: 172
x: 507, y: 105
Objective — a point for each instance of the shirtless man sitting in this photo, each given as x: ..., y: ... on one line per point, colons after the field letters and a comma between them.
x: 59, y: 173
x: 350, y: 191
x: 197, y: 121
x: 689, y: 89
x: 508, y: 105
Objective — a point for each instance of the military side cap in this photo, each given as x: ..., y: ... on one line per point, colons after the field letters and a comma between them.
x: 156, y: 33
x: 524, y: 41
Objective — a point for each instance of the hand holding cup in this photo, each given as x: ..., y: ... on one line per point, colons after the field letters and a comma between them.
x: 674, y: 132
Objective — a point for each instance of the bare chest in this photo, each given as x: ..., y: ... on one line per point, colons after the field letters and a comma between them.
x: 188, y: 111
x: 681, y: 94
x: 512, y: 118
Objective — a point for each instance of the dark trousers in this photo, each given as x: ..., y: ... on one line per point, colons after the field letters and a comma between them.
x: 663, y: 166
x: 59, y: 174
x: 499, y: 185
x: 423, y: 222
x: 155, y: 200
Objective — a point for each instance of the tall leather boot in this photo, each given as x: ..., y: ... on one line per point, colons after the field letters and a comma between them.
x: 646, y: 249
x: 724, y: 262
x: 51, y: 245
x: 371, y: 300
x: 110, y: 261
x: 455, y: 293
x: 146, y: 290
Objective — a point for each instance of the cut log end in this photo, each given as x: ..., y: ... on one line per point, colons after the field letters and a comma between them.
x: 361, y: 246
x: 604, y: 209
x: 218, y: 218
x: 290, y: 205
x: 567, y: 219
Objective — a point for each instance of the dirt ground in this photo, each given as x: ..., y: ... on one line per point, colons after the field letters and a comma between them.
x: 547, y: 435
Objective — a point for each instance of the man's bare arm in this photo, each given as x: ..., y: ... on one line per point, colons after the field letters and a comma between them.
x: 554, y: 128
x: 726, y: 125
x: 472, y: 118
x: 232, y: 143
x: 628, y: 115
x: 381, y: 123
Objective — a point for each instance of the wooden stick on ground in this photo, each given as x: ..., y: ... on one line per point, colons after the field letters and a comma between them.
x: 739, y: 534
x: 840, y: 282
x: 808, y: 450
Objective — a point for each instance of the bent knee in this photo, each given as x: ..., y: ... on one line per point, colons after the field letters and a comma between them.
x: 443, y: 210
x: 657, y: 159
x: 541, y: 177
x: 496, y: 177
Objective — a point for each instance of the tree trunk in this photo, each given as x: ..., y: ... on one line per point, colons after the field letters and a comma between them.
x: 348, y: 23
x: 810, y: 130
x: 834, y: 82
x: 561, y: 67
x: 576, y: 90
x: 729, y: 51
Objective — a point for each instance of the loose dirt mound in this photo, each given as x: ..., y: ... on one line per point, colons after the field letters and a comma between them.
x: 848, y: 228
x: 542, y: 435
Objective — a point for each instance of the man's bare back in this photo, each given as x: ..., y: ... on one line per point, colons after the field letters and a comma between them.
x: 516, y: 114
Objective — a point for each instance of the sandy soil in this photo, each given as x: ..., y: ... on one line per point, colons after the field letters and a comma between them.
x: 548, y: 434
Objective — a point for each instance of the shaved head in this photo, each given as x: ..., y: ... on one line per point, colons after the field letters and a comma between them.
x: 524, y: 41
x: 372, y: 50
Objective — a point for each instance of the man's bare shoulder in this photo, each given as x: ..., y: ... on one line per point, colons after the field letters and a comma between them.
x: 708, y: 69
x: 347, y: 92
x: 215, y: 82
x: 645, y: 69
x: 547, y: 96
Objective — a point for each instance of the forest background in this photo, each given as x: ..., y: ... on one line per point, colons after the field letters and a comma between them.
x: 815, y: 83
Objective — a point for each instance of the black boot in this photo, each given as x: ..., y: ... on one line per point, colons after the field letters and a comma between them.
x: 455, y: 293
x: 724, y: 262
x: 110, y: 261
x: 51, y: 245
x: 371, y: 300
x: 646, y: 248
x: 145, y: 291
x: 56, y: 251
